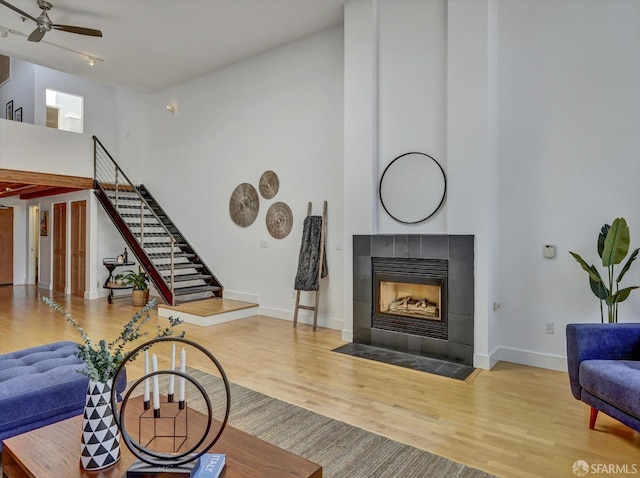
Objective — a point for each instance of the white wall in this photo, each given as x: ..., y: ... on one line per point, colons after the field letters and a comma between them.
x: 411, y: 94
x: 280, y: 111
x: 569, y: 99
x: 19, y: 89
x: 28, y: 147
x: 100, y: 114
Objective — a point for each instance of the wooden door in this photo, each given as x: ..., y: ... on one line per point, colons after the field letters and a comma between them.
x: 6, y: 246
x: 78, y: 247
x: 59, y: 272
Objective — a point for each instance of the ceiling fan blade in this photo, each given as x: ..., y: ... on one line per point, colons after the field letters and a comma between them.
x: 36, y: 35
x: 17, y: 10
x: 79, y: 30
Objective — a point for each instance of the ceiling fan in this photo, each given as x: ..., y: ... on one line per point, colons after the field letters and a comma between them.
x: 44, y: 23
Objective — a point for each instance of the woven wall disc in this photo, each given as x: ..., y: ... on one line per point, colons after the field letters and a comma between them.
x: 269, y: 184
x: 244, y: 205
x: 279, y: 220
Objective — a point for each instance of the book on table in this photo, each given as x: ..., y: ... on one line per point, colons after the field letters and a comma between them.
x: 211, y: 465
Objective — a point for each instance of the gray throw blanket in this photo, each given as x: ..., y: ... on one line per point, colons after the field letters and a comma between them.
x: 309, y: 258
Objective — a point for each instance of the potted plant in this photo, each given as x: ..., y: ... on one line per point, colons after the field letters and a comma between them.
x: 102, y: 360
x: 140, y: 283
x: 117, y: 281
x: 613, y: 246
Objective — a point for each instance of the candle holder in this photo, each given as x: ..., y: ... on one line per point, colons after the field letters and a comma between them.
x: 175, y: 462
x: 172, y: 417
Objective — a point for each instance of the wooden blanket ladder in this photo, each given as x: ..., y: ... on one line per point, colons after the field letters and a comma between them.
x: 314, y: 308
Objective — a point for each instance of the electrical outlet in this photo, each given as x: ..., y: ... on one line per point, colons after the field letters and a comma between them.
x: 548, y: 328
x: 263, y: 243
x: 293, y: 294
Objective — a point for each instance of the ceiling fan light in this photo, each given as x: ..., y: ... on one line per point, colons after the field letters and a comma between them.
x: 92, y: 61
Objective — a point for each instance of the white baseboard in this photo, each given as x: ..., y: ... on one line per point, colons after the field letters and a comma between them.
x: 90, y: 295
x: 484, y: 361
x: 241, y: 296
x: 304, y: 317
x: 45, y: 286
x: 533, y: 359
x: 347, y: 335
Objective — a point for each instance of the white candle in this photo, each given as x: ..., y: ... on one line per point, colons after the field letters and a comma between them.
x: 183, y: 364
x: 146, y: 372
x: 173, y: 367
x: 156, y: 389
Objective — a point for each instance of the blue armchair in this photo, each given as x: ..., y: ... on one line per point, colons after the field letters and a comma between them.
x: 604, y: 369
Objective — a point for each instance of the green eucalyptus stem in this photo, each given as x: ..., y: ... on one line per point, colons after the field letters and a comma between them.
x: 103, y: 359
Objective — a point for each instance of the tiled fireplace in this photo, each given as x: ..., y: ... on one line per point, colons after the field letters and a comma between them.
x: 414, y: 293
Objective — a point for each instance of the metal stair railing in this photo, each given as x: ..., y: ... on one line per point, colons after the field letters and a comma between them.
x: 110, y: 180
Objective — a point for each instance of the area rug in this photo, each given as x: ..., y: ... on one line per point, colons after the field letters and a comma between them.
x: 344, y: 451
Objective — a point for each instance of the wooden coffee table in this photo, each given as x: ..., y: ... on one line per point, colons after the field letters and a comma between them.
x: 54, y: 452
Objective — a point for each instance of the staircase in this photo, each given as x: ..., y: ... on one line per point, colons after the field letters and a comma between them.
x: 174, y: 267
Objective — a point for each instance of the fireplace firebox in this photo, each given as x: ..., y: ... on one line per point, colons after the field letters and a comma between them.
x: 410, y: 296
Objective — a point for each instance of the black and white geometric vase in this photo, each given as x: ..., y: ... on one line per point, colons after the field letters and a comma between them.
x: 100, y: 444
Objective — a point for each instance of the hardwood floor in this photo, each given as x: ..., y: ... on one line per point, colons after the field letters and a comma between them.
x: 514, y: 421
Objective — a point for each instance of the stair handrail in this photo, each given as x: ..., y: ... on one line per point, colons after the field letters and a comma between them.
x: 142, y: 199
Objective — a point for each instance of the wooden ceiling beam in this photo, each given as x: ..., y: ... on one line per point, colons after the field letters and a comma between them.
x: 23, y: 188
x: 43, y: 179
x: 46, y: 191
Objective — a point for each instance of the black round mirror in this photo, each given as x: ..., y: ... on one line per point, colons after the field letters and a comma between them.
x: 412, y: 188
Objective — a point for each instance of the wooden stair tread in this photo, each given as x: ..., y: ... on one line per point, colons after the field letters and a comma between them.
x: 196, y: 289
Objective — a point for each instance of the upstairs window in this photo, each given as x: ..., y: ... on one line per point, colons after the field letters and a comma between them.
x: 65, y: 111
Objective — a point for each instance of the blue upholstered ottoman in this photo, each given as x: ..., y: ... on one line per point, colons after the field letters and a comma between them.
x: 40, y: 386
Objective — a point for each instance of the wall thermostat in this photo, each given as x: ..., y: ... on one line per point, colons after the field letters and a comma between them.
x: 549, y: 251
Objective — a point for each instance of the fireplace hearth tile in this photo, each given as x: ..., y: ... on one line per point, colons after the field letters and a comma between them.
x: 413, y: 362
x: 382, y: 246
x: 401, y: 246
x: 362, y: 267
x: 414, y: 246
x: 460, y: 328
x: 362, y: 246
x: 434, y: 247
x: 361, y: 289
x: 461, y: 353
x: 362, y: 314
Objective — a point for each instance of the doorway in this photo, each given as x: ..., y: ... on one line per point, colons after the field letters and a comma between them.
x: 78, y: 247
x: 59, y: 247
x: 6, y: 245
x: 34, y: 245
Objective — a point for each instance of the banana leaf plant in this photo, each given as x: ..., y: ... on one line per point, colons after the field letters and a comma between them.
x: 613, y: 246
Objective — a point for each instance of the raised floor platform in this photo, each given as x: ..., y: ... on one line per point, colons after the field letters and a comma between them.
x: 209, y: 311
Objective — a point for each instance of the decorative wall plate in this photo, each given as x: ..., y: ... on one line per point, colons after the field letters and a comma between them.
x: 279, y: 220
x: 412, y: 188
x: 269, y: 184
x: 244, y: 205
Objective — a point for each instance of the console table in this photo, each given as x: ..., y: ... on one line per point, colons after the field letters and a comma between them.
x: 111, y: 265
